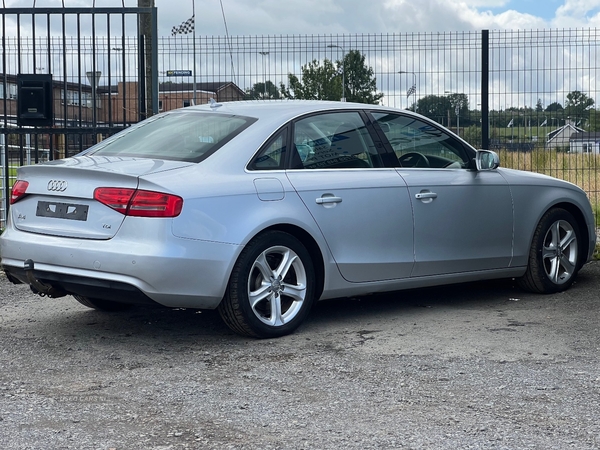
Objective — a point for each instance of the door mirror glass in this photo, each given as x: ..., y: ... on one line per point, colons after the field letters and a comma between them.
x: 487, y: 160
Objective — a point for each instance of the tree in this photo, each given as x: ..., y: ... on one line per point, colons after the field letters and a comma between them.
x: 435, y: 107
x: 539, y: 106
x: 323, y: 81
x: 445, y: 108
x: 554, y: 107
x: 594, y: 120
x: 578, y: 105
x: 577, y: 99
x: 361, y: 86
x: 260, y: 91
x: 319, y: 82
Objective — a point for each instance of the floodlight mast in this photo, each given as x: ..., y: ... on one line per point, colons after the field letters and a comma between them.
x: 413, y: 88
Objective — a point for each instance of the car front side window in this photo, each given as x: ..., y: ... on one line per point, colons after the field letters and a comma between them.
x: 417, y: 143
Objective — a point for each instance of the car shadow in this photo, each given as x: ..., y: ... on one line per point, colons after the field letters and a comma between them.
x: 189, y: 324
x: 463, y: 295
x: 187, y: 328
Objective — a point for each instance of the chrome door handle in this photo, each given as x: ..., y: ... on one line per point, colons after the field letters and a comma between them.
x: 324, y: 200
x: 422, y: 195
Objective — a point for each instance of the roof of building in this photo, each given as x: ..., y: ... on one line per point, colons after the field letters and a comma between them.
x: 585, y: 136
x: 567, y: 128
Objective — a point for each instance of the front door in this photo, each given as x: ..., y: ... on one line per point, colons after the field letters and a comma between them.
x: 463, y: 218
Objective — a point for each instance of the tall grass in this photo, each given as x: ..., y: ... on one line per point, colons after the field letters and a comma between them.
x: 582, y: 169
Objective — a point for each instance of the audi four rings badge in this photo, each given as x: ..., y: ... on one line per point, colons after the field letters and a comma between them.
x: 57, y: 185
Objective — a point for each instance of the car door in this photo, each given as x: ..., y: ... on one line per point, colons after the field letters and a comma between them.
x: 362, y: 208
x: 463, y: 218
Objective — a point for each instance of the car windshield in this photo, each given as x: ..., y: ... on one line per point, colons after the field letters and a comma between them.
x: 179, y: 136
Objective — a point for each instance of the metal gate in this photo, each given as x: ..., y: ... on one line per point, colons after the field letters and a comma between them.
x: 70, y: 77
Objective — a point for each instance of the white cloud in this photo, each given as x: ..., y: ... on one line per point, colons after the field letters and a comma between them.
x: 441, y: 15
x: 295, y: 17
x: 577, y: 14
x: 307, y: 17
x: 577, y: 8
x: 508, y: 20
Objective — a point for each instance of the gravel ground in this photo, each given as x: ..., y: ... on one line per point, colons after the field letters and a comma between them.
x: 477, y: 366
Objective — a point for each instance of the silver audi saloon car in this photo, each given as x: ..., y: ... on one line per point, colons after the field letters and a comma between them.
x: 260, y: 209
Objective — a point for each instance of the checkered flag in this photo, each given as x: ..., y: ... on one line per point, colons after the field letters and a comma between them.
x: 185, y: 28
x: 411, y: 91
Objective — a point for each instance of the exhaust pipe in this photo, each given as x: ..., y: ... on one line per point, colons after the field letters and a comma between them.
x: 39, y: 287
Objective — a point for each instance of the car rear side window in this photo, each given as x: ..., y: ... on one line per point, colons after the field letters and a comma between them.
x: 334, y: 141
x: 179, y: 136
x: 272, y: 156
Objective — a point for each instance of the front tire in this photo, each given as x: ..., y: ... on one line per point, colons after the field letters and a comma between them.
x: 272, y: 287
x: 554, y: 254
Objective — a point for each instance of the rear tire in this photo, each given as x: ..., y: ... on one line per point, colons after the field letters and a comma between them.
x: 101, y: 305
x: 554, y: 254
x: 272, y: 287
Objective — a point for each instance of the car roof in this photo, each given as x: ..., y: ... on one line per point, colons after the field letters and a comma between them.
x: 283, y: 110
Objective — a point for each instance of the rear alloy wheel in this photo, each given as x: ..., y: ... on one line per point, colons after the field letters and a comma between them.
x: 554, y: 255
x: 101, y: 305
x: 271, y: 289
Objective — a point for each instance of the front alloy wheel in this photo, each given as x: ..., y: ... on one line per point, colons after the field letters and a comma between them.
x: 554, y: 255
x: 560, y: 252
x: 271, y: 288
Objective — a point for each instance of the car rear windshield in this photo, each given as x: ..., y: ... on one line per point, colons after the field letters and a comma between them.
x: 179, y: 136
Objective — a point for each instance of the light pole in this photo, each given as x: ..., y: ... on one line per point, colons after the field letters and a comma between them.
x: 412, y: 89
x: 343, y: 99
x: 264, y: 55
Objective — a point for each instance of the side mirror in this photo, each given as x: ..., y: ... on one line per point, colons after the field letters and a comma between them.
x: 487, y: 160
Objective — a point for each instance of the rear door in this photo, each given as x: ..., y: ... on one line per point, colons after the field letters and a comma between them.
x: 362, y: 208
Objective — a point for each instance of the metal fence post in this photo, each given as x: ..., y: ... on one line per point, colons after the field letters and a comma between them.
x: 485, y: 89
x: 4, y: 182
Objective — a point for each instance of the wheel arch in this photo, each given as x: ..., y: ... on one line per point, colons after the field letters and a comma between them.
x: 584, y: 242
x: 313, y: 249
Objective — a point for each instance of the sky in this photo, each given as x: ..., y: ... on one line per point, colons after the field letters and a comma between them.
x: 301, y: 17
x: 293, y: 17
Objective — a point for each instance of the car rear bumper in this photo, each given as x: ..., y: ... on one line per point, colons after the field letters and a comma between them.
x: 174, y: 272
x: 79, y: 285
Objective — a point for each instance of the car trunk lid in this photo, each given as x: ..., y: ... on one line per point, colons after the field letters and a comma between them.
x: 59, y: 198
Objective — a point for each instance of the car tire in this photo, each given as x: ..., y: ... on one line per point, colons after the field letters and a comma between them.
x: 272, y: 287
x: 554, y: 255
x: 101, y: 305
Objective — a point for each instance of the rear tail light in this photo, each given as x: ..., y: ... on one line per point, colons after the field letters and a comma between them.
x: 139, y: 203
x: 19, y: 190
